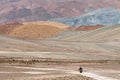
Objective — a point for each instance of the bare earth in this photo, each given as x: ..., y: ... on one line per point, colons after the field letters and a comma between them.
x: 60, y: 59
x: 45, y: 69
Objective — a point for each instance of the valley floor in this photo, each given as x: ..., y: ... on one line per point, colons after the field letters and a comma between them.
x: 48, y: 69
x: 22, y: 59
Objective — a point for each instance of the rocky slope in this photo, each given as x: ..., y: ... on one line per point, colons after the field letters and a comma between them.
x: 35, y: 10
x: 105, y: 16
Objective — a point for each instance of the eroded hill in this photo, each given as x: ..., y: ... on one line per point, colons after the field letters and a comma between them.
x: 38, y: 30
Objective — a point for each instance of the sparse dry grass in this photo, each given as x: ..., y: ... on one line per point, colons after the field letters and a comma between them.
x: 14, y: 60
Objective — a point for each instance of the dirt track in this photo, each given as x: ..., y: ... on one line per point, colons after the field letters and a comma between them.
x: 59, y: 71
x: 46, y: 71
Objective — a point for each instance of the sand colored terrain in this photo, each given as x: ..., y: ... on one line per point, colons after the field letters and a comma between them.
x: 73, y: 31
x: 46, y: 69
x: 97, y: 51
x: 85, y: 28
x: 10, y: 44
x: 110, y: 33
x: 38, y: 30
x: 88, y: 28
x: 71, y: 48
x: 38, y: 73
x: 54, y: 24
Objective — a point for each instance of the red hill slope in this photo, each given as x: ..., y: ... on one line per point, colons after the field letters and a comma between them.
x: 38, y: 30
x: 88, y: 28
x: 85, y: 28
x: 6, y: 29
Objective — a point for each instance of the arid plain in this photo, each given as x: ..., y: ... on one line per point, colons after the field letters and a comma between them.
x: 58, y: 55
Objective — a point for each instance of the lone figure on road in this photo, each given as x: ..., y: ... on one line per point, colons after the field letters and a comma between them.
x: 81, y: 69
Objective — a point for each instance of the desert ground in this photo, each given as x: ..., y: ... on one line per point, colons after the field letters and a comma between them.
x: 33, y: 57
x: 57, y: 69
x: 52, y: 39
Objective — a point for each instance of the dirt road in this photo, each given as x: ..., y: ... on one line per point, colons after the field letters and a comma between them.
x: 87, y: 74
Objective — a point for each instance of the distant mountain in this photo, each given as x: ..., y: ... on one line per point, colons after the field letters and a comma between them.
x: 105, y: 16
x: 36, y: 10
